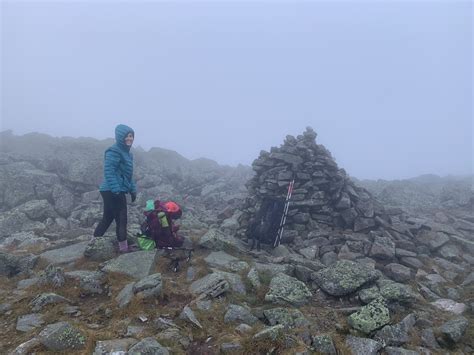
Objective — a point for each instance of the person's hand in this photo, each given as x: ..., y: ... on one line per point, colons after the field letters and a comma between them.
x: 133, y: 195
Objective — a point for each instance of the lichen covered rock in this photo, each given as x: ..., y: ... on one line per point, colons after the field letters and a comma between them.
x: 285, y: 289
x: 344, y: 277
x: 370, y: 317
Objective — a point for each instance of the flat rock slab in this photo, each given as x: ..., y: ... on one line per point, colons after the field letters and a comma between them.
x: 344, y: 277
x: 136, y: 265
x: 221, y: 259
x: 65, y: 255
x: 29, y: 322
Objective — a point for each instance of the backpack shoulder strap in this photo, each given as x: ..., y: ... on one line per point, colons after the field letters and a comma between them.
x: 163, y: 218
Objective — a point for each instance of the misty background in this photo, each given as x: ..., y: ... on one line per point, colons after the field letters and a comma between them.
x: 387, y: 86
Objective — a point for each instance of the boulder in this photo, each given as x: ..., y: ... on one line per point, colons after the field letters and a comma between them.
x: 362, y: 346
x: 397, y: 334
x: 370, y: 317
x: 11, y: 264
x: 100, y: 249
x: 323, y: 344
x: 90, y: 282
x: 216, y: 240
x: 212, y: 285
x: 397, y: 272
x: 125, y: 295
x: 451, y: 306
x: 432, y: 239
x: 234, y: 280
x: 344, y: 277
x: 62, y: 336
x: 287, y: 316
x: 236, y: 313
x: 454, y: 329
x: 383, y: 248
x: 29, y: 322
x: 53, y: 276
x: 285, y: 289
x: 270, y: 333
x: 150, y: 286
x: 396, y: 292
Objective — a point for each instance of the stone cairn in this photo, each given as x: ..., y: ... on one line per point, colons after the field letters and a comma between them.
x: 323, y: 195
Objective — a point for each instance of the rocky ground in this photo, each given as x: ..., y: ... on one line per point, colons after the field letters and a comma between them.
x: 400, y: 285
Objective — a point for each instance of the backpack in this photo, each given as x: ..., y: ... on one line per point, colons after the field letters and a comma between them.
x: 267, y: 220
x: 157, y: 215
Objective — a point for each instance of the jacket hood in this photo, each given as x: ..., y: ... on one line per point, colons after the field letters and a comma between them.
x: 121, y: 132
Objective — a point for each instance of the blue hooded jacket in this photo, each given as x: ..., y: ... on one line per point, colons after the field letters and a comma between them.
x: 118, y: 164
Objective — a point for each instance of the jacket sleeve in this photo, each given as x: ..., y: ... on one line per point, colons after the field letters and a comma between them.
x: 133, y: 186
x: 111, y: 163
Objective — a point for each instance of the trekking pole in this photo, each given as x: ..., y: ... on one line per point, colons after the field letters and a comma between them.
x: 285, y: 212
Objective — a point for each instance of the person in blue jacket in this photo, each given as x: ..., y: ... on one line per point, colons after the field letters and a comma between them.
x: 118, y: 181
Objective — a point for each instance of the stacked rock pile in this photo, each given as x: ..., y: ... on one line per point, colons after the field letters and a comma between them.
x: 323, y: 194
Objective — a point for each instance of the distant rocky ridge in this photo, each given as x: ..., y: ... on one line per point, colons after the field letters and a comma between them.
x: 425, y: 193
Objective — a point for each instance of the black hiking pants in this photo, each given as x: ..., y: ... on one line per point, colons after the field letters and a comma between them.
x: 115, y: 208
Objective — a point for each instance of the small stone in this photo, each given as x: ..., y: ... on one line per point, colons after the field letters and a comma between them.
x: 188, y: 314
x: 243, y: 328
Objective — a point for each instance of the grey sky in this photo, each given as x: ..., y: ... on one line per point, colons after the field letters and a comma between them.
x: 386, y: 85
